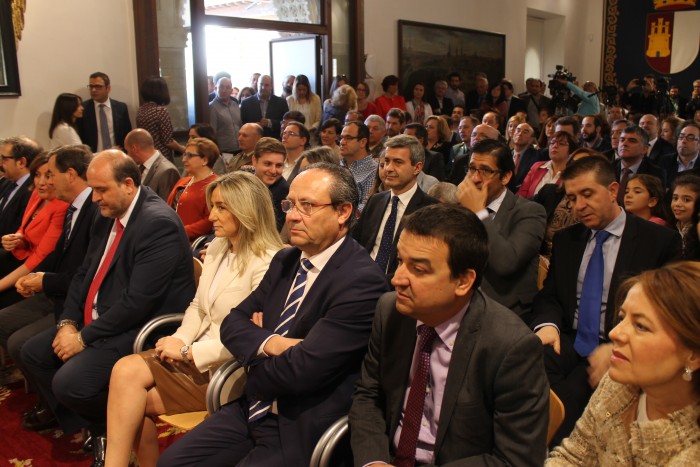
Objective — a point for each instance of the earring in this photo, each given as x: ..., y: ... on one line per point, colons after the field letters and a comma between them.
x: 687, y: 374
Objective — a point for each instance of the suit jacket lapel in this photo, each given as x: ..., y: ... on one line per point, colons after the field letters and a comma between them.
x: 572, y: 266
x: 625, y: 257
x: 152, y: 171
x: 85, y: 211
x: 467, y: 337
x: 503, y: 214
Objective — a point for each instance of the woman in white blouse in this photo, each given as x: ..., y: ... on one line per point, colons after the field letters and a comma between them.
x: 66, y: 110
x: 305, y: 101
x: 419, y: 109
x: 173, y: 377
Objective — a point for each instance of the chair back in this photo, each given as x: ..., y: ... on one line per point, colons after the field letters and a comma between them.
x: 556, y: 415
x: 197, y: 271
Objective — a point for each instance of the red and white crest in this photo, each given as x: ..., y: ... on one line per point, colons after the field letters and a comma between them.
x: 672, y: 40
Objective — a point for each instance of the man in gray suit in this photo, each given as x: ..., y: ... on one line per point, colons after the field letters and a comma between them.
x: 157, y: 172
x: 450, y: 376
x: 515, y: 227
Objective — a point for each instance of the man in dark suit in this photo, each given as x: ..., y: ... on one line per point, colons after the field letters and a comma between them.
x: 477, y: 96
x: 515, y: 104
x: 688, y: 151
x: 433, y: 162
x: 16, y: 153
x: 462, y: 150
x: 381, y: 222
x: 105, y: 121
x: 632, y: 149
x: 524, y: 155
x: 265, y: 109
x: 621, y: 245
x: 515, y: 227
x: 461, y: 164
x: 439, y: 102
x: 417, y: 405
x: 46, y: 286
x: 303, y: 348
x: 139, y: 266
x: 157, y: 172
x: 658, y: 147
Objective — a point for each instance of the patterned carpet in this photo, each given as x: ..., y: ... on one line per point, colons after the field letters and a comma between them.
x: 52, y: 448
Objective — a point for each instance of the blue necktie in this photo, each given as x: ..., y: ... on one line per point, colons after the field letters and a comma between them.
x: 591, y: 300
x: 387, y: 242
x: 258, y: 409
x: 67, y: 225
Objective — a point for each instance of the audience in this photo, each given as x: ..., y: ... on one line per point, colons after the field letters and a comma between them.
x: 380, y: 225
x: 390, y: 97
x: 62, y: 130
x: 38, y: 232
x: 111, y: 297
x: 524, y: 155
x: 248, y: 137
x: 157, y: 172
x: 410, y: 405
x: 187, y: 197
x: 574, y: 312
x: 173, y: 377
x: 417, y: 107
x: 439, y: 137
x: 154, y: 117
x: 644, y: 197
x: 645, y: 409
x: 305, y: 355
x: 364, y: 105
x: 304, y: 100
x: 295, y: 139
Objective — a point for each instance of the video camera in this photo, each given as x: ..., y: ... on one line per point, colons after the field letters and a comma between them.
x: 561, y: 73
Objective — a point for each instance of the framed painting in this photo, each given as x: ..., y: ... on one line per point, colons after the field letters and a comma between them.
x: 429, y: 52
x: 9, y: 73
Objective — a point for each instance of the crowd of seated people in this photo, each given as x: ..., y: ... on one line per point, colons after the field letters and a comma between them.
x: 473, y: 208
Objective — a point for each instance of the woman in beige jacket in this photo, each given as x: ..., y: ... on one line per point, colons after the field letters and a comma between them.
x: 173, y: 377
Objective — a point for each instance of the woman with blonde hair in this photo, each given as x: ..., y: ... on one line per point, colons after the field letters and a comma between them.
x: 173, y: 377
x: 344, y: 99
x: 646, y: 409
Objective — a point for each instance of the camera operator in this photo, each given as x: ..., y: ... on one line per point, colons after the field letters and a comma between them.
x: 694, y: 103
x: 641, y: 96
x: 590, y: 104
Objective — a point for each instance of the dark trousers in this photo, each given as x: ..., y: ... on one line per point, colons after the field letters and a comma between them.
x: 22, y: 321
x: 226, y: 439
x: 568, y: 378
x: 76, y: 391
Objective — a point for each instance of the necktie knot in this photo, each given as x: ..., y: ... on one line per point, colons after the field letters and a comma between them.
x: 306, y: 265
x: 601, y: 237
x: 426, y: 337
x: 120, y: 227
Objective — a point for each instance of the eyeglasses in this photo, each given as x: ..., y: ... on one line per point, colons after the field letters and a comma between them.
x: 484, y: 172
x: 6, y: 158
x: 191, y: 154
x: 304, y: 208
x: 556, y: 142
x: 289, y: 133
x: 349, y: 137
x: 95, y: 86
x: 688, y: 138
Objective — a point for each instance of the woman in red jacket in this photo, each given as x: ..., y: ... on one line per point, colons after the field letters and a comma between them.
x: 41, y: 226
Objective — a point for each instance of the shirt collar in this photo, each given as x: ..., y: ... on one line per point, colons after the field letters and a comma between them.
x: 319, y: 260
x: 81, y: 198
x: 406, y: 196
x: 616, y: 226
x: 148, y: 163
x: 447, y: 330
x: 107, y: 103
x: 20, y: 181
x: 495, y: 205
x: 124, y: 219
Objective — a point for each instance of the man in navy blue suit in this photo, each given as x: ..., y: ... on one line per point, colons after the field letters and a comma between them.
x: 265, y: 109
x: 105, y: 121
x: 302, y: 335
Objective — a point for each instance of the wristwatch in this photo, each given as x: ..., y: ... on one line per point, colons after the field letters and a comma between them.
x: 183, y: 351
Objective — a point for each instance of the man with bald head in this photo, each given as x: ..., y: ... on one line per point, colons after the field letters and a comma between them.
x: 658, y: 147
x: 248, y: 137
x: 157, y: 172
x: 138, y: 266
x: 225, y: 118
x: 479, y: 133
x: 492, y: 119
x: 265, y: 109
x: 524, y: 154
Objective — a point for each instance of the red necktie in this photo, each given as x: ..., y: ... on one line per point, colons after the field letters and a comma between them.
x: 100, y: 275
x: 413, y: 414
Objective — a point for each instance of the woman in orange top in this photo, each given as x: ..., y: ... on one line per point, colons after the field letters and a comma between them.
x: 36, y: 238
x: 188, y: 196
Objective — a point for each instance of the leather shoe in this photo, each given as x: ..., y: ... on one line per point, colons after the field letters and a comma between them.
x: 43, y: 419
x: 99, y: 447
x: 34, y: 409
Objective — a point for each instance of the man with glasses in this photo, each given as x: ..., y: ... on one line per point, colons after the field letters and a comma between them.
x: 479, y: 133
x: 380, y: 226
x: 354, y: 147
x: 515, y: 227
x: 17, y: 154
x: 295, y: 138
x: 632, y: 150
x: 688, y: 149
x: 302, y: 335
x: 105, y: 121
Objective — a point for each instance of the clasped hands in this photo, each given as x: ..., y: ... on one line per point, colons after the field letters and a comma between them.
x: 30, y: 284
x: 12, y: 241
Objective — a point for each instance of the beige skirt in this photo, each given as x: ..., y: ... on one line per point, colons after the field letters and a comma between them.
x: 180, y: 385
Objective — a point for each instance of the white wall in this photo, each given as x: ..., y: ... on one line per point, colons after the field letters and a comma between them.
x: 62, y: 43
x: 578, y: 41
